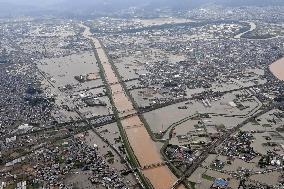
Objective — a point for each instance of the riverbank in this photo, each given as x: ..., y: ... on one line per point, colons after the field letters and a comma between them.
x: 140, y: 141
x: 252, y: 27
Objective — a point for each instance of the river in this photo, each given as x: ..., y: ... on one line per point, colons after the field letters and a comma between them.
x: 139, y: 139
x: 277, y: 68
x: 252, y: 27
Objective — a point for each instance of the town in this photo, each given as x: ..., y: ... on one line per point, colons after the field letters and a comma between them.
x: 182, y: 99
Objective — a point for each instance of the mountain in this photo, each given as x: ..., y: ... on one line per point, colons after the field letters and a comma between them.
x: 87, y: 7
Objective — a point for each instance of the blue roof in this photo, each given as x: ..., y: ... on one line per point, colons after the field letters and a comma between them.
x: 221, y: 182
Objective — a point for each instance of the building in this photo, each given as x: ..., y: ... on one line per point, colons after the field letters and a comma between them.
x: 220, y: 183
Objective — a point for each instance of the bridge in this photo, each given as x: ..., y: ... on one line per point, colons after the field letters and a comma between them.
x: 117, y: 92
x: 163, y: 163
x: 205, y: 152
x: 133, y: 126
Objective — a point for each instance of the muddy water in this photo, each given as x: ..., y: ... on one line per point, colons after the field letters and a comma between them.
x: 160, y: 178
x: 110, y: 75
x: 122, y: 103
x: 141, y: 143
x: 116, y: 88
x: 277, y: 68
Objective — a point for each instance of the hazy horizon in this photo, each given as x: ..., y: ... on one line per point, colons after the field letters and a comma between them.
x: 86, y: 7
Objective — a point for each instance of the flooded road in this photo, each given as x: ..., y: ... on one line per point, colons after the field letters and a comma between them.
x: 277, y: 68
x: 140, y: 141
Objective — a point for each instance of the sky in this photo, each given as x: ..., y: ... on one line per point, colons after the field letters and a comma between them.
x: 12, y: 7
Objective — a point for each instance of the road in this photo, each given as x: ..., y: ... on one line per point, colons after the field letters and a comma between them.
x: 205, y: 152
x: 137, y: 139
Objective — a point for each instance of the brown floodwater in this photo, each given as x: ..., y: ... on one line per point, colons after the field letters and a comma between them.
x: 277, y: 68
x: 122, y: 103
x: 143, y: 146
x: 139, y: 139
x: 155, y: 175
x: 109, y: 73
x: 116, y: 88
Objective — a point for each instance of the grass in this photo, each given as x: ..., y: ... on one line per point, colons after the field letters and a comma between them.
x: 142, y: 118
x: 207, y: 177
x: 11, y: 186
x: 192, y: 184
x: 266, y: 125
x: 131, y: 157
x: 111, y: 160
x: 33, y: 186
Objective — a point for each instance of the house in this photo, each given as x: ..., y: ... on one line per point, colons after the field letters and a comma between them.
x: 220, y: 183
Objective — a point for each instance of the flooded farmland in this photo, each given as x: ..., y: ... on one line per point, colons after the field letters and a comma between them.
x: 140, y: 141
x: 277, y: 68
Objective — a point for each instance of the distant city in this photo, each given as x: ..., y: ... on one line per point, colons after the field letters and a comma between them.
x: 156, y: 94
